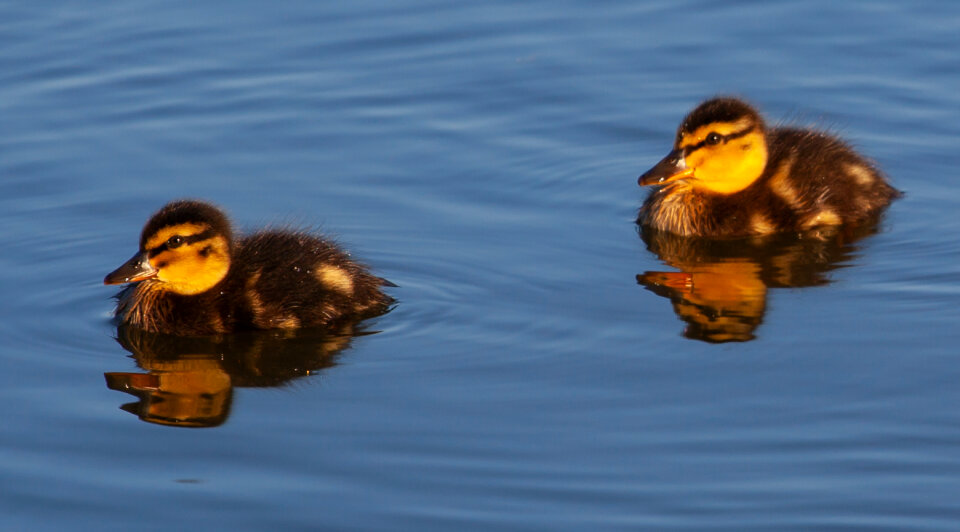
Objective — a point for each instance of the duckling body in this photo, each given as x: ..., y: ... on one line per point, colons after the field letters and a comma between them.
x: 193, y: 278
x: 730, y: 176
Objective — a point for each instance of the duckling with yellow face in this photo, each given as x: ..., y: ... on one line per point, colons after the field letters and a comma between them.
x: 728, y: 175
x: 193, y: 277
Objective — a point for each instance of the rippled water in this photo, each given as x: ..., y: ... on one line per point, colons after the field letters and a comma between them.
x: 542, y: 370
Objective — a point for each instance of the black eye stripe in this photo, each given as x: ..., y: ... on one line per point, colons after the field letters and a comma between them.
x: 724, y: 138
x: 184, y: 241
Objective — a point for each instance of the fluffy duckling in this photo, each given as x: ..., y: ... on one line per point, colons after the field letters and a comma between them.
x: 192, y: 277
x: 730, y: 176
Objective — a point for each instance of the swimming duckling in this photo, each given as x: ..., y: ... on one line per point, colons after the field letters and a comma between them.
x: 729, y: 176
x: 194, y: 278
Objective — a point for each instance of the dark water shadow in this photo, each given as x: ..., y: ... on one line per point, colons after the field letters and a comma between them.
x: 720, y: 290
x: 189, y: 381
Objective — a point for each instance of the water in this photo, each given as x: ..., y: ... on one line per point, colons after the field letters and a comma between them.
x: 484, y: 158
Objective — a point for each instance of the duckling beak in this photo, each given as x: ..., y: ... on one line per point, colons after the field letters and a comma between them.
x: 673, y: 167
x: 136, y: 269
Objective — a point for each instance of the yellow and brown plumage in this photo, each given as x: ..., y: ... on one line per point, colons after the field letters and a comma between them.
x: 192, y: 277
x: 728, y: 175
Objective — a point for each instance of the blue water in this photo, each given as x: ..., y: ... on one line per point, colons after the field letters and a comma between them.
x: 484, y: 158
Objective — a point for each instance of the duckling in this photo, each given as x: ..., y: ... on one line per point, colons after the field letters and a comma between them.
x: 728, y: 175
x: 193, y: 277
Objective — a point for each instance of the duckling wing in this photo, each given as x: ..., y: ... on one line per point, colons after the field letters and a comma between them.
x: 824, y: 180
x: 295, y: 279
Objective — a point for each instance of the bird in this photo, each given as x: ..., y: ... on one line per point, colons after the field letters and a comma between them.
x: 192, y: 276
x: 729, y: 176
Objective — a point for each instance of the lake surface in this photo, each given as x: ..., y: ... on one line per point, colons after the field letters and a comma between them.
x: 483, y: 158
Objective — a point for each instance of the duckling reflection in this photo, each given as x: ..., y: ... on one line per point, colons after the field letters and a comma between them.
x: 721, y: 288
x: 190, y: 380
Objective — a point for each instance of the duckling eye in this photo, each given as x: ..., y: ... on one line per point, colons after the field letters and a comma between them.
x: 714, y: 139
x: 174, y: 242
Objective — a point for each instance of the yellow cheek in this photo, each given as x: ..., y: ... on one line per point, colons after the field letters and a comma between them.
x: 696, y: 159
x: 730, y: 167
x: 177, y: 269
x: 162, y: 262
x: 185, y: 271
x: 721, y: 163
x: 712, y: 164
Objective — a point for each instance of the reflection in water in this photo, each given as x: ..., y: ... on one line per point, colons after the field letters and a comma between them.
x: 190, y: 380
x: 721, y: 288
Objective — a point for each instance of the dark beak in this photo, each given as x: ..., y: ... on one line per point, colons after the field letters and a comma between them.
x: 673, y: 167
x: 136, y: 269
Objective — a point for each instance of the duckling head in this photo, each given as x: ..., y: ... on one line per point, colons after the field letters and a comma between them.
x: 185, y: 248
x: 721, y: 147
